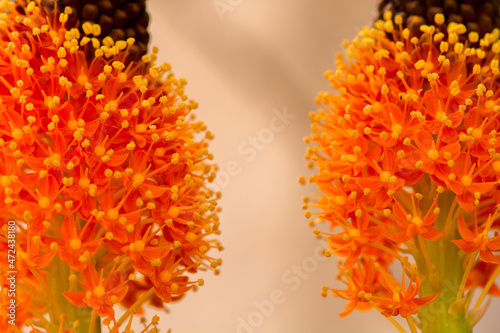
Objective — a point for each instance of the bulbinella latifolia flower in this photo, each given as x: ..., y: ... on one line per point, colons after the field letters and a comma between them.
x: 103, y: 172
x: 408, y: 164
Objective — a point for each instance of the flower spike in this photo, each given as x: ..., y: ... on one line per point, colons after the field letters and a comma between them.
x: 104, y: 172
x: 406, y: 160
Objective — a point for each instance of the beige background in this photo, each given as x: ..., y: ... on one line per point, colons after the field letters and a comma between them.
x: 242, y: 61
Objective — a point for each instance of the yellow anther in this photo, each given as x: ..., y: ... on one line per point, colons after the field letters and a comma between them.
x: 433, y: 154
x: 121, y: 45
x: 466, y: 180
x: 99, y: 290
x: 458, y: 48
x: 99, y: 150
x: 385, y: 176
x: 87, y: 28
x: 44, y: 202
x: 439, y: 18
x: 112, y: 214
x: 108, y: 41
x: 84, y: 41
x: 75, y: 244
x: 96, y: 30
x: 63, y: 17
x: 473, y: 37
x: 156, y: 262
x: 61, y: 52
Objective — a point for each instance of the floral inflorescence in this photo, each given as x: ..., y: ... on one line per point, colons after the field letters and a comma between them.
x: 408, y: 160
x: 104, y: 170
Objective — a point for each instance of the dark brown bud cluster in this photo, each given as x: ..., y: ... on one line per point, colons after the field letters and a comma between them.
x: 118, y: 19
x: 481, y: 16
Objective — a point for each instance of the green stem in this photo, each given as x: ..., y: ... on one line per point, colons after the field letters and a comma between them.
x: 58, y: 282
x: 446, y: 314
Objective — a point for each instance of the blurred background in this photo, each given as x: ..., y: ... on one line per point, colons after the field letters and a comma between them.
x: 255, y: 67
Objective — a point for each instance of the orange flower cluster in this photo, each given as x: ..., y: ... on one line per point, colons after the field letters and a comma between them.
x: 409, y: 170
x: 103, y: 170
